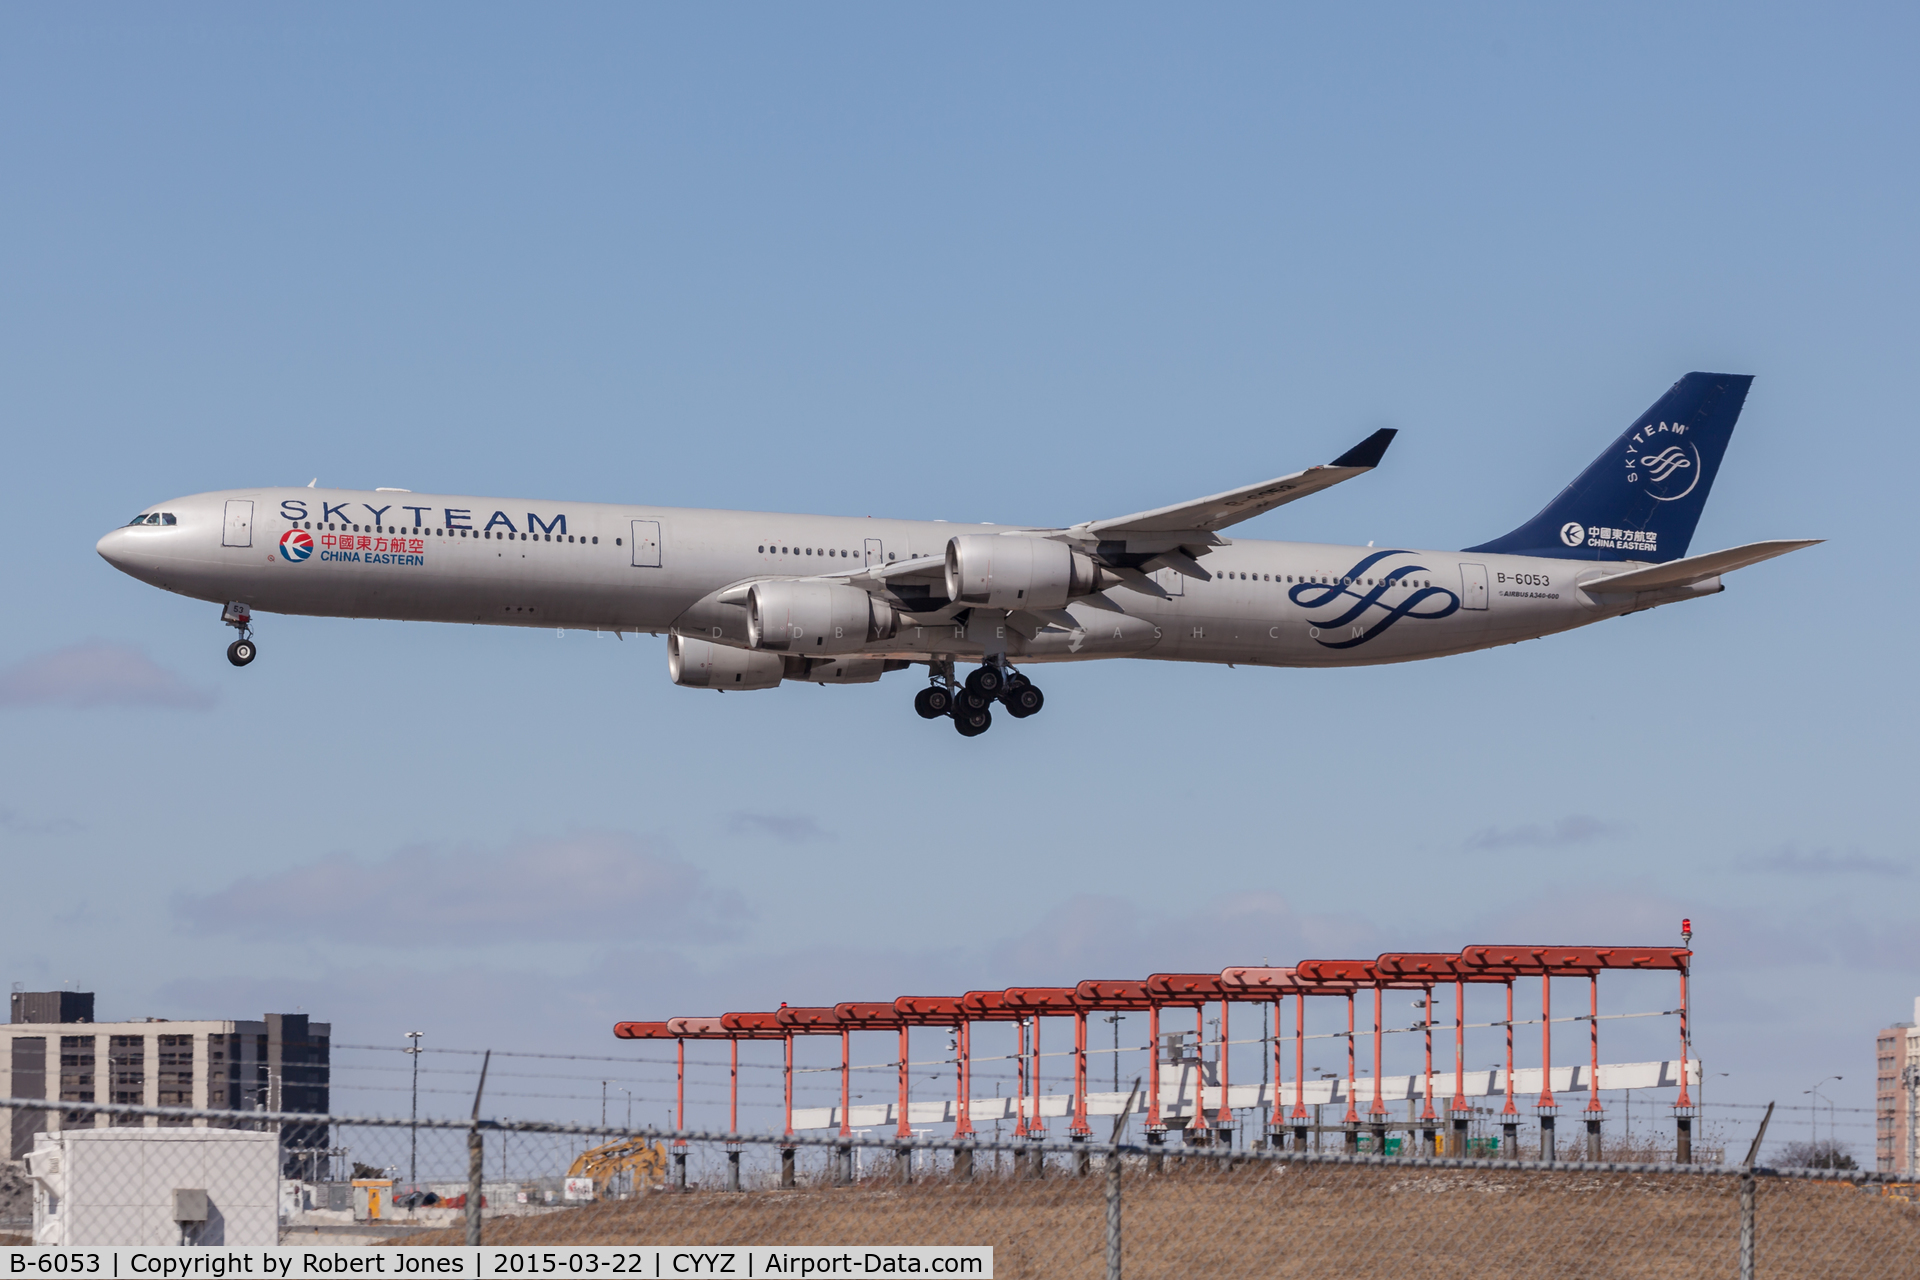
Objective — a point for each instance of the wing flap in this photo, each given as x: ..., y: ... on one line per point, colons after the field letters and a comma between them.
x: 1681, y: 573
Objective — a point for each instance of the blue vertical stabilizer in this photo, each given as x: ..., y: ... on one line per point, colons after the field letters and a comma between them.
x: 1641, y: 499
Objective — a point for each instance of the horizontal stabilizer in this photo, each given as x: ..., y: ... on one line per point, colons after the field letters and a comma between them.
x: 1681, y: 573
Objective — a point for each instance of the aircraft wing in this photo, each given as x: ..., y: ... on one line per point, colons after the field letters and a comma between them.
x: 1204, y: 515
x: 1681, y: 573
x: 1166, y: 538
x: 922, y: 569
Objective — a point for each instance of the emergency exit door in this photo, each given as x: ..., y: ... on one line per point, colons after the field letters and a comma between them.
x: 646, y: 544
x: 875, y: 553
x: 1473, y: 586
x: 239, y: 526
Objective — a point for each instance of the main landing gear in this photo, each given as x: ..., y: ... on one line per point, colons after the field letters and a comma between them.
x: 240, y: 618
x: 971, y: 704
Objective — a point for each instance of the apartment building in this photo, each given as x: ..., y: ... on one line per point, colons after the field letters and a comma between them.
x: 1896, y: 1096
x: 53, y: 1049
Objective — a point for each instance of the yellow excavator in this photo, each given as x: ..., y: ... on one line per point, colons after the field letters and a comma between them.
x: 647, y: 1164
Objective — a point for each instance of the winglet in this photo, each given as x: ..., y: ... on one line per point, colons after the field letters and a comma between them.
x: 1369, y: 451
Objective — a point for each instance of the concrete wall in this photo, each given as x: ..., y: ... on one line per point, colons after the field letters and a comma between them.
x: 107, y: 1187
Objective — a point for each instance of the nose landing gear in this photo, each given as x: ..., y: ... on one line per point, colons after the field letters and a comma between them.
x: 240, y: 618
x: 971, y: 704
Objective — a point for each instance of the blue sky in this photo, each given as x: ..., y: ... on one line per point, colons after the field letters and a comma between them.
x: 993, y: 264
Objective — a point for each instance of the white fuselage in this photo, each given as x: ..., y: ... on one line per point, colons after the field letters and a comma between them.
x: 440, y: 558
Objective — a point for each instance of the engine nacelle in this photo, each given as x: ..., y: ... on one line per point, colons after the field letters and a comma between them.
x: 815, y: 617
x: 700, y: 664
x: 1012, y: 572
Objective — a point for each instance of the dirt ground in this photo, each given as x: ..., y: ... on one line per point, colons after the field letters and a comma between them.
x: 1298, y: 1223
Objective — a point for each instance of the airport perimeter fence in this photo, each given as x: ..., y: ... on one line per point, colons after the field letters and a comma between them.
x: 1054, y: 1208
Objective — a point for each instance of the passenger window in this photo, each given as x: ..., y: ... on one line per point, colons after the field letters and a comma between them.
x: 596, y: 542
x: 616, y: 542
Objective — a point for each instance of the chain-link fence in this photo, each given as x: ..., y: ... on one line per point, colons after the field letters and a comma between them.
x: 115, y: 1176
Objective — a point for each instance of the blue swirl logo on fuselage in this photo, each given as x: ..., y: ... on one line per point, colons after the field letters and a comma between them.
x: 1352, y: 586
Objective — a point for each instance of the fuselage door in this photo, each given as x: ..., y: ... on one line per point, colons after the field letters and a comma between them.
x: 646, y: 544
x: 876, y: 554
x: 1473, y: 586
x: 239, y: 526
x: 1170, y: 581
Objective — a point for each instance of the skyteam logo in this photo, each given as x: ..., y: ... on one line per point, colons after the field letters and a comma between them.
x: 1662, y: 459
x: 1380, y: 601
x: 296, y: 545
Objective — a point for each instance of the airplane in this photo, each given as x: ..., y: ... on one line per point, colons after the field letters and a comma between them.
x: 749, y: 600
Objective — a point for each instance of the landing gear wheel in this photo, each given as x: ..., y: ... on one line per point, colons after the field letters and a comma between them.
x: 240, y: 652
x: 932, y: 702
x: 1017, y: 681
x: 1022, y: 701
x: 989, y: 680
x: 971, y: 700
x: 972, y: 721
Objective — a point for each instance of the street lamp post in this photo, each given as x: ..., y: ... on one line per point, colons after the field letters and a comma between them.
x: 413, y: 1121
x: 1813, y: 1116
x: 1704, y: 1077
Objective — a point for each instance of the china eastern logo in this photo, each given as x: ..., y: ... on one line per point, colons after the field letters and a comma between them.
x: 296, y: 545
x: 1663, y: 461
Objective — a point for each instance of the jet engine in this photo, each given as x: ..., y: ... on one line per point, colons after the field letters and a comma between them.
x: 700, y: 664
x: 1004, y: 571
x: 815, y: 617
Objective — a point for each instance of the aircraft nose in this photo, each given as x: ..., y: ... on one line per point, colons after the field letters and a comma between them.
x: 126, y: 551
x: 114, y: 550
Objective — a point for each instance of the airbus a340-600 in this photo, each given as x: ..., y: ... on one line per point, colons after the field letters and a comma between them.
x: 748, y: 599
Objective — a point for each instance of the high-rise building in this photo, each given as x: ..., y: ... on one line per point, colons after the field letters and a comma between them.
x: 1896, y: 1096
x: 53, y: 1049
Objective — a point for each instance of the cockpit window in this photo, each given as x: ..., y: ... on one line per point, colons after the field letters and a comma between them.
x: 136, y: 520
x: 157, y: 517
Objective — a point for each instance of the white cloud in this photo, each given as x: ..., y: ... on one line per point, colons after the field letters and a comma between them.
x: 97, y: 674
x: 1791, y: 860
x: 18, y: 823
x: 1575, y: 829
x: 791, y: 828
x: 562, y: 889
